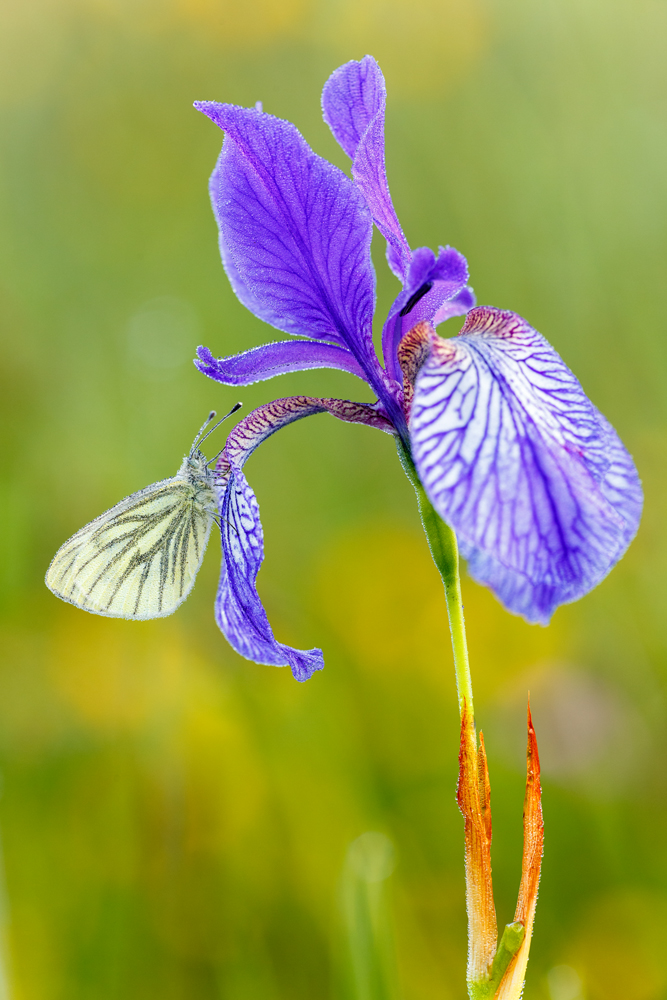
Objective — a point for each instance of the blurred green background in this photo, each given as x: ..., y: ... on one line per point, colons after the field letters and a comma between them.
x: 174, y: 819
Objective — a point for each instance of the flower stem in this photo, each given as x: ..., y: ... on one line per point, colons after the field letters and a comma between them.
x: 494, y: 970
x: 445, y: 553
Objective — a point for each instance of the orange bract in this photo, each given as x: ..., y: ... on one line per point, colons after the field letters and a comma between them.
x: 533, y: 847
x: 493, y: 971
x: 473, y: 797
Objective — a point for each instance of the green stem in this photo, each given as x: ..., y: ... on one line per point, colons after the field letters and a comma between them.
x: 442, y: 543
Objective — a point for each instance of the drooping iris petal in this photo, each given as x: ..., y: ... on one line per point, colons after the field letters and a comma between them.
x: 542, y: 495
x: 353, y: 104
x: 431, y: 284
x: 294, y: 232
x: 239, y: 610
x: 264, y: 362
x: 620, y: 482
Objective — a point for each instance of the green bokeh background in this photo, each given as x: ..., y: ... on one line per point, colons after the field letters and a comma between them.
x: 174, y: 819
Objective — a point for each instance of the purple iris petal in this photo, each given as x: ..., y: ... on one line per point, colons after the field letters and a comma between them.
x: 239, y: 610
x: 542, y: 495
x: 448, y: 273
x: 431, y: 283
x: 619, y: 480
x: 353, y: 103
x: 351, y: 98
x: 264, y: 362
x: 457, y: 306
x: 294, y: 232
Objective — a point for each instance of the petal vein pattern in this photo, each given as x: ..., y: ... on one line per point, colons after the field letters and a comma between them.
x: 239, y: 610
x: 294, y: 231
x: 543, y: 496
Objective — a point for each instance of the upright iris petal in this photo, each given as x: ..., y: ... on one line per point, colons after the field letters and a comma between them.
x: 542, y: 495
x: 294, y: 232
x: 353, y: 103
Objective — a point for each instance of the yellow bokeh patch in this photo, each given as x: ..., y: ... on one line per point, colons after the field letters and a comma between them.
x: 119, y: 678
x: 421, y: 45
x: 255, y: 22
x: 382, y: 595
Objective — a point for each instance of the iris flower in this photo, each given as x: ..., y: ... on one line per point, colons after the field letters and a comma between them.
x: 491, y: 426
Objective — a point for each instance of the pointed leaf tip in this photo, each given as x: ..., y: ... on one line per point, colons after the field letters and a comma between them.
x: 473, y: 798
x: 511, y: 986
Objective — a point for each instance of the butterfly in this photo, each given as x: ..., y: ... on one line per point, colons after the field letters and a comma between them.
x: 139, y: 559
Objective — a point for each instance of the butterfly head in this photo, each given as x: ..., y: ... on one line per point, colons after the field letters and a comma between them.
x: 195, y: 465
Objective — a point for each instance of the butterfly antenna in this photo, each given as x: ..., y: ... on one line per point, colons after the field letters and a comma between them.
x: 199, y: 440
x: 212, y: 415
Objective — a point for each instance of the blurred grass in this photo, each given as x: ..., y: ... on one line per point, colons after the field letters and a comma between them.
x: 369, y: 949
x: 174, y: 819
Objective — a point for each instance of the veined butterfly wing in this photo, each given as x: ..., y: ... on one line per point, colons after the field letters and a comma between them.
x: 140, y: 558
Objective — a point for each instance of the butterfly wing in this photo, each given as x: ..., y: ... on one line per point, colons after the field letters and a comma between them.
x: 140, y: 558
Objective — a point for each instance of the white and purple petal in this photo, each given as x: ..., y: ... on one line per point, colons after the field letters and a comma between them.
x: 353, y: 106
x: 261, y: 363
x: 542, y: 495
x: 239, y: 610
x: 294, y: 232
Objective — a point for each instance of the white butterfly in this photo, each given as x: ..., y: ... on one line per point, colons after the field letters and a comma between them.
x: 140, y: 558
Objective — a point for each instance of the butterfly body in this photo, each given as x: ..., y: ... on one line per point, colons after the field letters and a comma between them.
x: 140, y: 558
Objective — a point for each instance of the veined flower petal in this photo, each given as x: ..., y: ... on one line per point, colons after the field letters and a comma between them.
x: 239, y: 610
x: 261, y: 363
x: 353, y: 104
x: 294, y: 232
x: 542, y: 495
